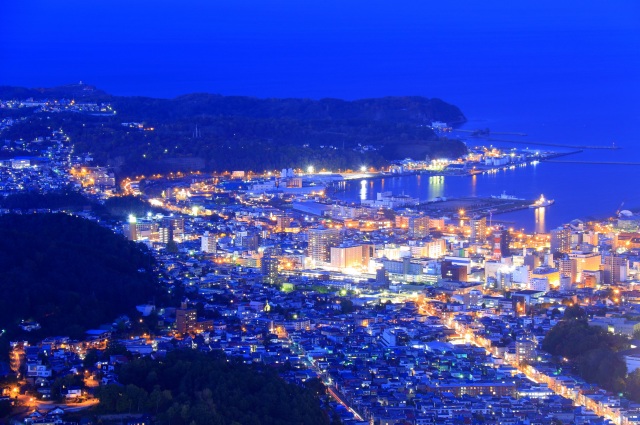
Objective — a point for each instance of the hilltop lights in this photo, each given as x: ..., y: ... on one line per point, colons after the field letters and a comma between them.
x: 310, y: 169
x: 363, y: 168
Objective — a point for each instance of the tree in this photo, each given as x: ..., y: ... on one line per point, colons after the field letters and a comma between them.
x: 90, y: 358
x: 604, y: 367
x: 172, y: 246
x: 346, y: 306
x: 633, y: 385
x: 592, y: 349
x: 575, y: 312
x: 193, y: 387
x: 316, y: 386
x: 5, y: 408
x: 63, y: 383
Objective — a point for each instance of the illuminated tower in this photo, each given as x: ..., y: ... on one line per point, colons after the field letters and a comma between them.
x: 500, y: 244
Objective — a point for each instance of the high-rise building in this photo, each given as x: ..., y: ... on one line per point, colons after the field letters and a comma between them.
x: 382, y: 277
x: 186, y: 319
x: 614, y: 268
x: 561, y: 240
x: 269, y: 269
x: 176, y: 224
x: 141, y: 229
x: 351, y: 256
x: 321, y: 240
x: 500, y: 244
x: 248, y: 239
x: 478, y: 230
x: 453, y: 272
x: 525, y: 350
x: 132, y: 233
x: 208, y: 243
x: 584, y: 261
x: 418, y: 226
x: 283, y: 222
x: 568, y: 267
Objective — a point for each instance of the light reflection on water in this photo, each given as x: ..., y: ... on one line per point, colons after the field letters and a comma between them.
x: 436, y: 187
x: 540, y: 224
x: 582, y: 191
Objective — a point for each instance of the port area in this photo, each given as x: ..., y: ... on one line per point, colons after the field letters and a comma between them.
x: 472, y: 207
x: 460, y: 167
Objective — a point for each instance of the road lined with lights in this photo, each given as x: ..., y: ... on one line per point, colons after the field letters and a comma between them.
x: 529, y: 371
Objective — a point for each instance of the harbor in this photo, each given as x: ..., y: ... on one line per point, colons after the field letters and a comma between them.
x: 475, y: 207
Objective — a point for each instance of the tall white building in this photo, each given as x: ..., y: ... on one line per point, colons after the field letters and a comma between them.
x: 208, y: 243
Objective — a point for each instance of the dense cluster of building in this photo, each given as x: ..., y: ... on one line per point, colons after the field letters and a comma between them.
x: 406, y: 318
x: 58, y: 105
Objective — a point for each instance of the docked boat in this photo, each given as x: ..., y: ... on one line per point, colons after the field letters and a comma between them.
x: 505, y: 196
x: 542, y: 202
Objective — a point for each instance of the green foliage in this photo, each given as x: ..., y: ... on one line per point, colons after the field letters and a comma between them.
x: 191, y: 387
x: 572, y: 338
x: 61, y: 383
x: 123, y: 206
x: 346, y: 306
x: 5, y: 408
x: 574, y: 312
x: 316, y: 386
x: 69, y: 274
x: 633, y: 385
x: 241, y: 133
x: 65, y: 200
x: 604, y: 367
x: 592, y: 349
x: 91, y: 357
x: 172, y: 247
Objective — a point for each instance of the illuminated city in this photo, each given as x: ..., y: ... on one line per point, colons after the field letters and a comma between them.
x: 389, y: 215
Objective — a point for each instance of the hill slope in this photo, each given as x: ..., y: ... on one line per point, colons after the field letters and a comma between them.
x: 217, y: 133
x: 190, y: 387
x: 69, y: 274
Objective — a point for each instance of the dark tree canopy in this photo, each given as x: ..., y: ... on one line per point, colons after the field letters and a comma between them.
x: 62, y: 200
x: 69, y: 274
x: 591, y: 348
x: 222, y: 133
x: 190, y: 387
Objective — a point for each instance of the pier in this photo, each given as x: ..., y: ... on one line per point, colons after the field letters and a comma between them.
x: 557, y: 145
x: 474, y: 206
x: 595, y: 162
x: 487, y: 131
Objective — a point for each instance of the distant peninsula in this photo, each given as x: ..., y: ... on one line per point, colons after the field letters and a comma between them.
x: 209, y: 132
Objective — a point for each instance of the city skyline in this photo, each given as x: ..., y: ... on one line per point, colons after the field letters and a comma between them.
x: 328, y: 213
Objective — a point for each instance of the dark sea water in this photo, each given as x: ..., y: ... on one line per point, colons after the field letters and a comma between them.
x: 562, y: 72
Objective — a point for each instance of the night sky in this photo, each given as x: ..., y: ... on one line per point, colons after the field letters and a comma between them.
x: 348, y: 49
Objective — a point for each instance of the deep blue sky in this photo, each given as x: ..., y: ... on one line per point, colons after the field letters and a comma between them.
x: 313, y: 48
x: 545, y: 62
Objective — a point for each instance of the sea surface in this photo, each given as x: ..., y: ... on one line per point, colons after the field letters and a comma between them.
x: 561, y: 72
x: 592, y: 184
x: 595, y: 183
